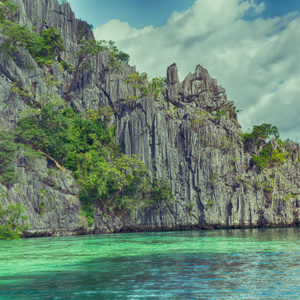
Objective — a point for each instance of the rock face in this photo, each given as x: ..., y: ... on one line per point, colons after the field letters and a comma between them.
x: 192, y: 137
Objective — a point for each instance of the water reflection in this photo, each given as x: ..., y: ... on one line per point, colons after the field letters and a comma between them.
x: 224, y: 264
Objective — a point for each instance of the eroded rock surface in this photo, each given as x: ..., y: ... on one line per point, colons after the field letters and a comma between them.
x: 192, y: 138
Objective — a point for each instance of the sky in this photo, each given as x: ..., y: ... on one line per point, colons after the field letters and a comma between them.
x: 250, y: 46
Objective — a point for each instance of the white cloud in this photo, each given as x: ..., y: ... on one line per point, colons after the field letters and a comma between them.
x: 257, y: 7
x: 119, y: 30
x: 256, y: 61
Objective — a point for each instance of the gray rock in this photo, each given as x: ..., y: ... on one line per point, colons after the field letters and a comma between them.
x: 198, y: 149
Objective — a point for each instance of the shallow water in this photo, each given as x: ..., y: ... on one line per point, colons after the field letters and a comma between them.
x: 220, y: 264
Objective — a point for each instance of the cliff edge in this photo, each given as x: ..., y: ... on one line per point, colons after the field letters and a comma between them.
x: 189, y: 134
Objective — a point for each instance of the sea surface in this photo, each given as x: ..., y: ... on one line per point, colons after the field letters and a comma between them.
x: 217, y: 264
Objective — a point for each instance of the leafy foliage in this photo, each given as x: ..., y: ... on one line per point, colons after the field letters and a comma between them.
x: 157, y: 86
x: 50, y: 45
x: 11, y: 217
x: 17, y: 35
x: 220, y: 113
x: 228, y: 111
x: 268, y: 157
x: 89, y: 49
x: 142, y: 88
x: 7, y: 159
x: 34, y: 99
x: 8, y: 10
x: 43, y: 48
x: 263, y: 159
x: 289, y: 197
x: 83, y: 31
x: 189, y: 208
x: 214, y: 179
x: 84, y: 144
x: 261, y: 133
x: 115, y: 57
x: 45, y: 130
x: 138, y: 83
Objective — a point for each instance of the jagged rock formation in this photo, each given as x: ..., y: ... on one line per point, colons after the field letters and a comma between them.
x: 186, y: 139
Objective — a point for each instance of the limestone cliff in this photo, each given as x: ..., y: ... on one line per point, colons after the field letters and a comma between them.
x: 193, y: 138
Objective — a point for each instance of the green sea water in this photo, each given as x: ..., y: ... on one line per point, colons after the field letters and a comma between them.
x: 220, y: 264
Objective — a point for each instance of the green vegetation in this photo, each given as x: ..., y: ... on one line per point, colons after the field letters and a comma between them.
x: 50, y: 179
x: 49, y: 46
x: 197, y: 122
x: 189, y: 208
x: 209, y: 203
x: 84, y: 144
x: 269, y: 186
x: 8, y: 10
x: 11, y: 217
x: 203, y: 113
x: 246, y: 184
x: 289, y: 197
x: 8, y: 150
x: 89, y: 49
x: 44, y: 48
x: 81, y: 143
x: 214, y: 179
x: 142, y: 88
x: 116, y: 57
x: 41, y: 204
x: 226, y: 111
x: 32, y: 98
x: 268, y: 156
x: 220, y: 113
x: 83, y: 31
x: 259, y: 184
x: 260, y: 133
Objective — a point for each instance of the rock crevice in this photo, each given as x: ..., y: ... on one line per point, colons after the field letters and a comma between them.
x: 194, y: 140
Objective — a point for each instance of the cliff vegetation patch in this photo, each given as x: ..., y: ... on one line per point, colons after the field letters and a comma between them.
x: 141, y: 87
x: 11, y: 219
x: 44, y: 47
x: 80, y: 142
x: 263, y: 139
x: 84, y: 144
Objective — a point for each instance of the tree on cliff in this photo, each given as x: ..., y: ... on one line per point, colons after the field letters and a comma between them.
x: 44, y: 47
x: 89, y: 49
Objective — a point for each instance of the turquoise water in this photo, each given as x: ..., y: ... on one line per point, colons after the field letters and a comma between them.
x: 221, y: 264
